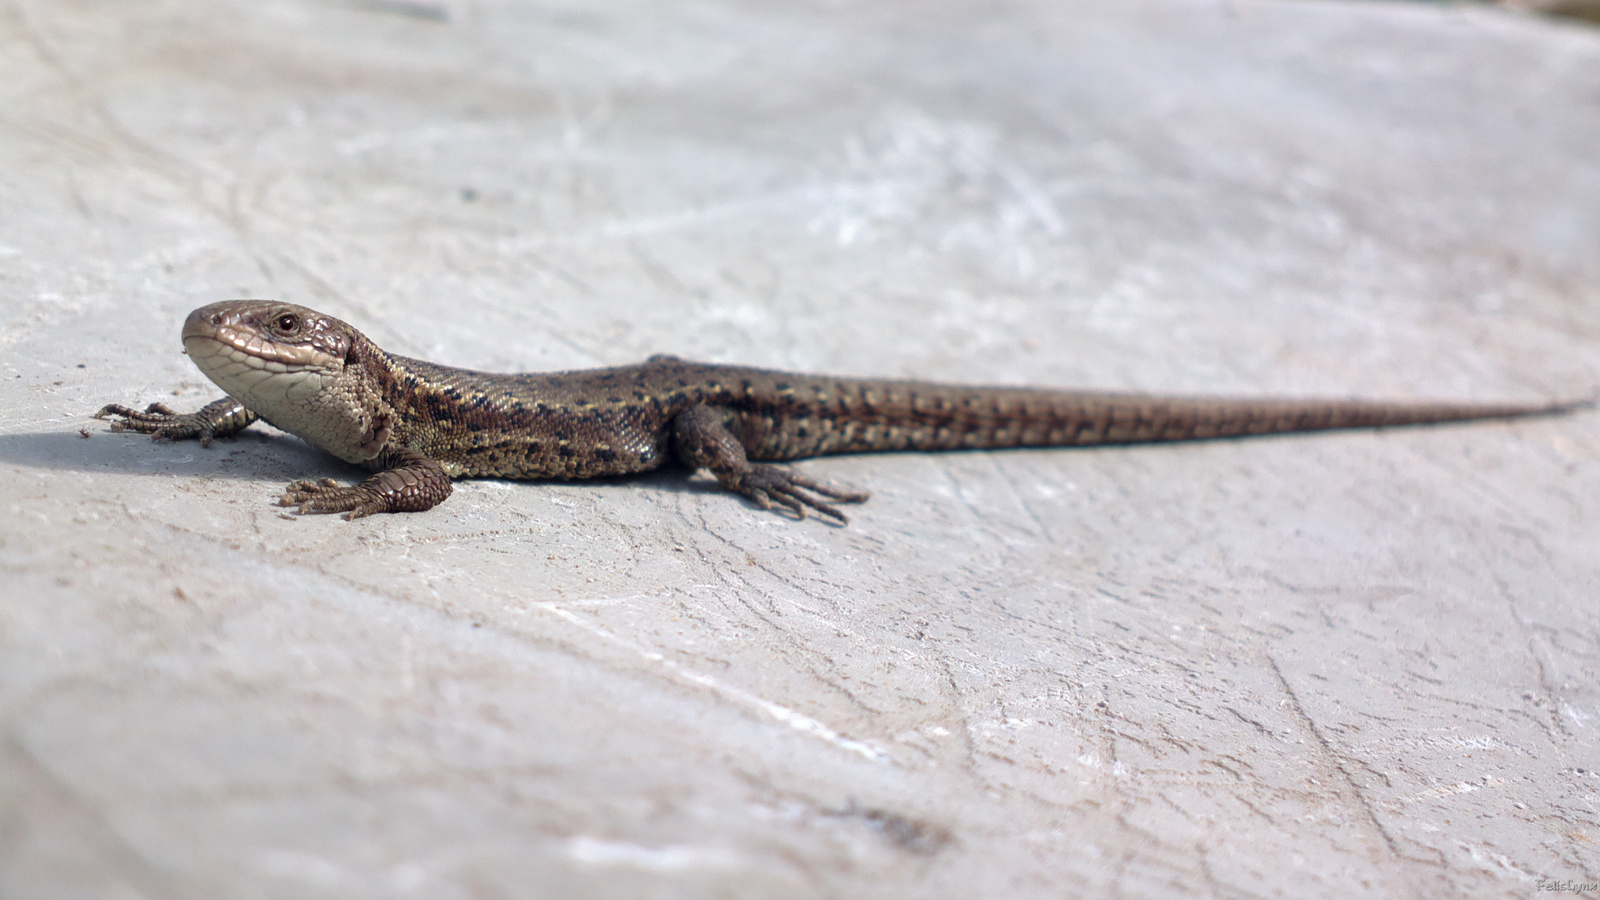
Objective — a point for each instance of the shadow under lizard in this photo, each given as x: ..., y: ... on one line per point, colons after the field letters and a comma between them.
x: 418, y: 425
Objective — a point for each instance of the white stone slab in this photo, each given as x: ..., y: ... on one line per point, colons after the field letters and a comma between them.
x: 1315, y: 666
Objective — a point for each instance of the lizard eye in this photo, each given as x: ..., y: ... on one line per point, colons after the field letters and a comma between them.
x: 288, y: 322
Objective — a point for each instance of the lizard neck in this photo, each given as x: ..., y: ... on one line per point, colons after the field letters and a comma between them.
x: 345, y: 412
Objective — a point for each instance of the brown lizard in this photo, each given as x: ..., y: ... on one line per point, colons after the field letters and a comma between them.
x: 418, y: 425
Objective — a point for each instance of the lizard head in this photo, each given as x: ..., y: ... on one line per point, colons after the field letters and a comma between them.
x: 245, y: 343
x: 293, y: 366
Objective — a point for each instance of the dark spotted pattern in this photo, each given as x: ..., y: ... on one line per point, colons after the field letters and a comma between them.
x: 615, y: 421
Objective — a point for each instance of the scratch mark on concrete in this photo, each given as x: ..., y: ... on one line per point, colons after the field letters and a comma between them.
x: 1331, y: 756
x: 798, y: 721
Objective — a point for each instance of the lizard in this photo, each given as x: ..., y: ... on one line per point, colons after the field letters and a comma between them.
x: 418, y: 425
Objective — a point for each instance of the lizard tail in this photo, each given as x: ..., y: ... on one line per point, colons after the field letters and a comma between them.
x: 956, y: 419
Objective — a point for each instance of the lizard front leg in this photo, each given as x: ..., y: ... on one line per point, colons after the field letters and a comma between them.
x: 408, y: 482
x: 703, y: 442
x: 221, y: 418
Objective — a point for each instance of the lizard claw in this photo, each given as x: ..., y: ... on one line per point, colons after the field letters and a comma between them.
x: 765, y: 485
x: 221, y: 418
x: 328, y: 496
x: 160, y: 422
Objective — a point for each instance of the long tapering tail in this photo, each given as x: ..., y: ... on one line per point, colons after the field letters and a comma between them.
x: 906, y: 416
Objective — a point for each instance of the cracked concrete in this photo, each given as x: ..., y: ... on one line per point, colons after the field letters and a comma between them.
x: 1291, y: 667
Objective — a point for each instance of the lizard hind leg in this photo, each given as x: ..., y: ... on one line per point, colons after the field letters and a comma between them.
x: 702, y: 441
x: 410, y: 482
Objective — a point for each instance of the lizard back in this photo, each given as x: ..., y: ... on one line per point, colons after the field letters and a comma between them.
x: 615, y: 421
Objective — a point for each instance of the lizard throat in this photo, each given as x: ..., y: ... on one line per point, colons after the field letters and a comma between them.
x: 309, y: 399
x: 262, y: 375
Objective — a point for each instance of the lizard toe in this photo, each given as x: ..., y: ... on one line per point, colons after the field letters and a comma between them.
x: 795, y: 492
x: 326, y: 499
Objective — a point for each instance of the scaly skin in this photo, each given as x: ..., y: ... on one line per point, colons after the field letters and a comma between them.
x: 418, y: 424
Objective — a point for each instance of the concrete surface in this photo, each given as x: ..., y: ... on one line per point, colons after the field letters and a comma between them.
x: 1310, y: 667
